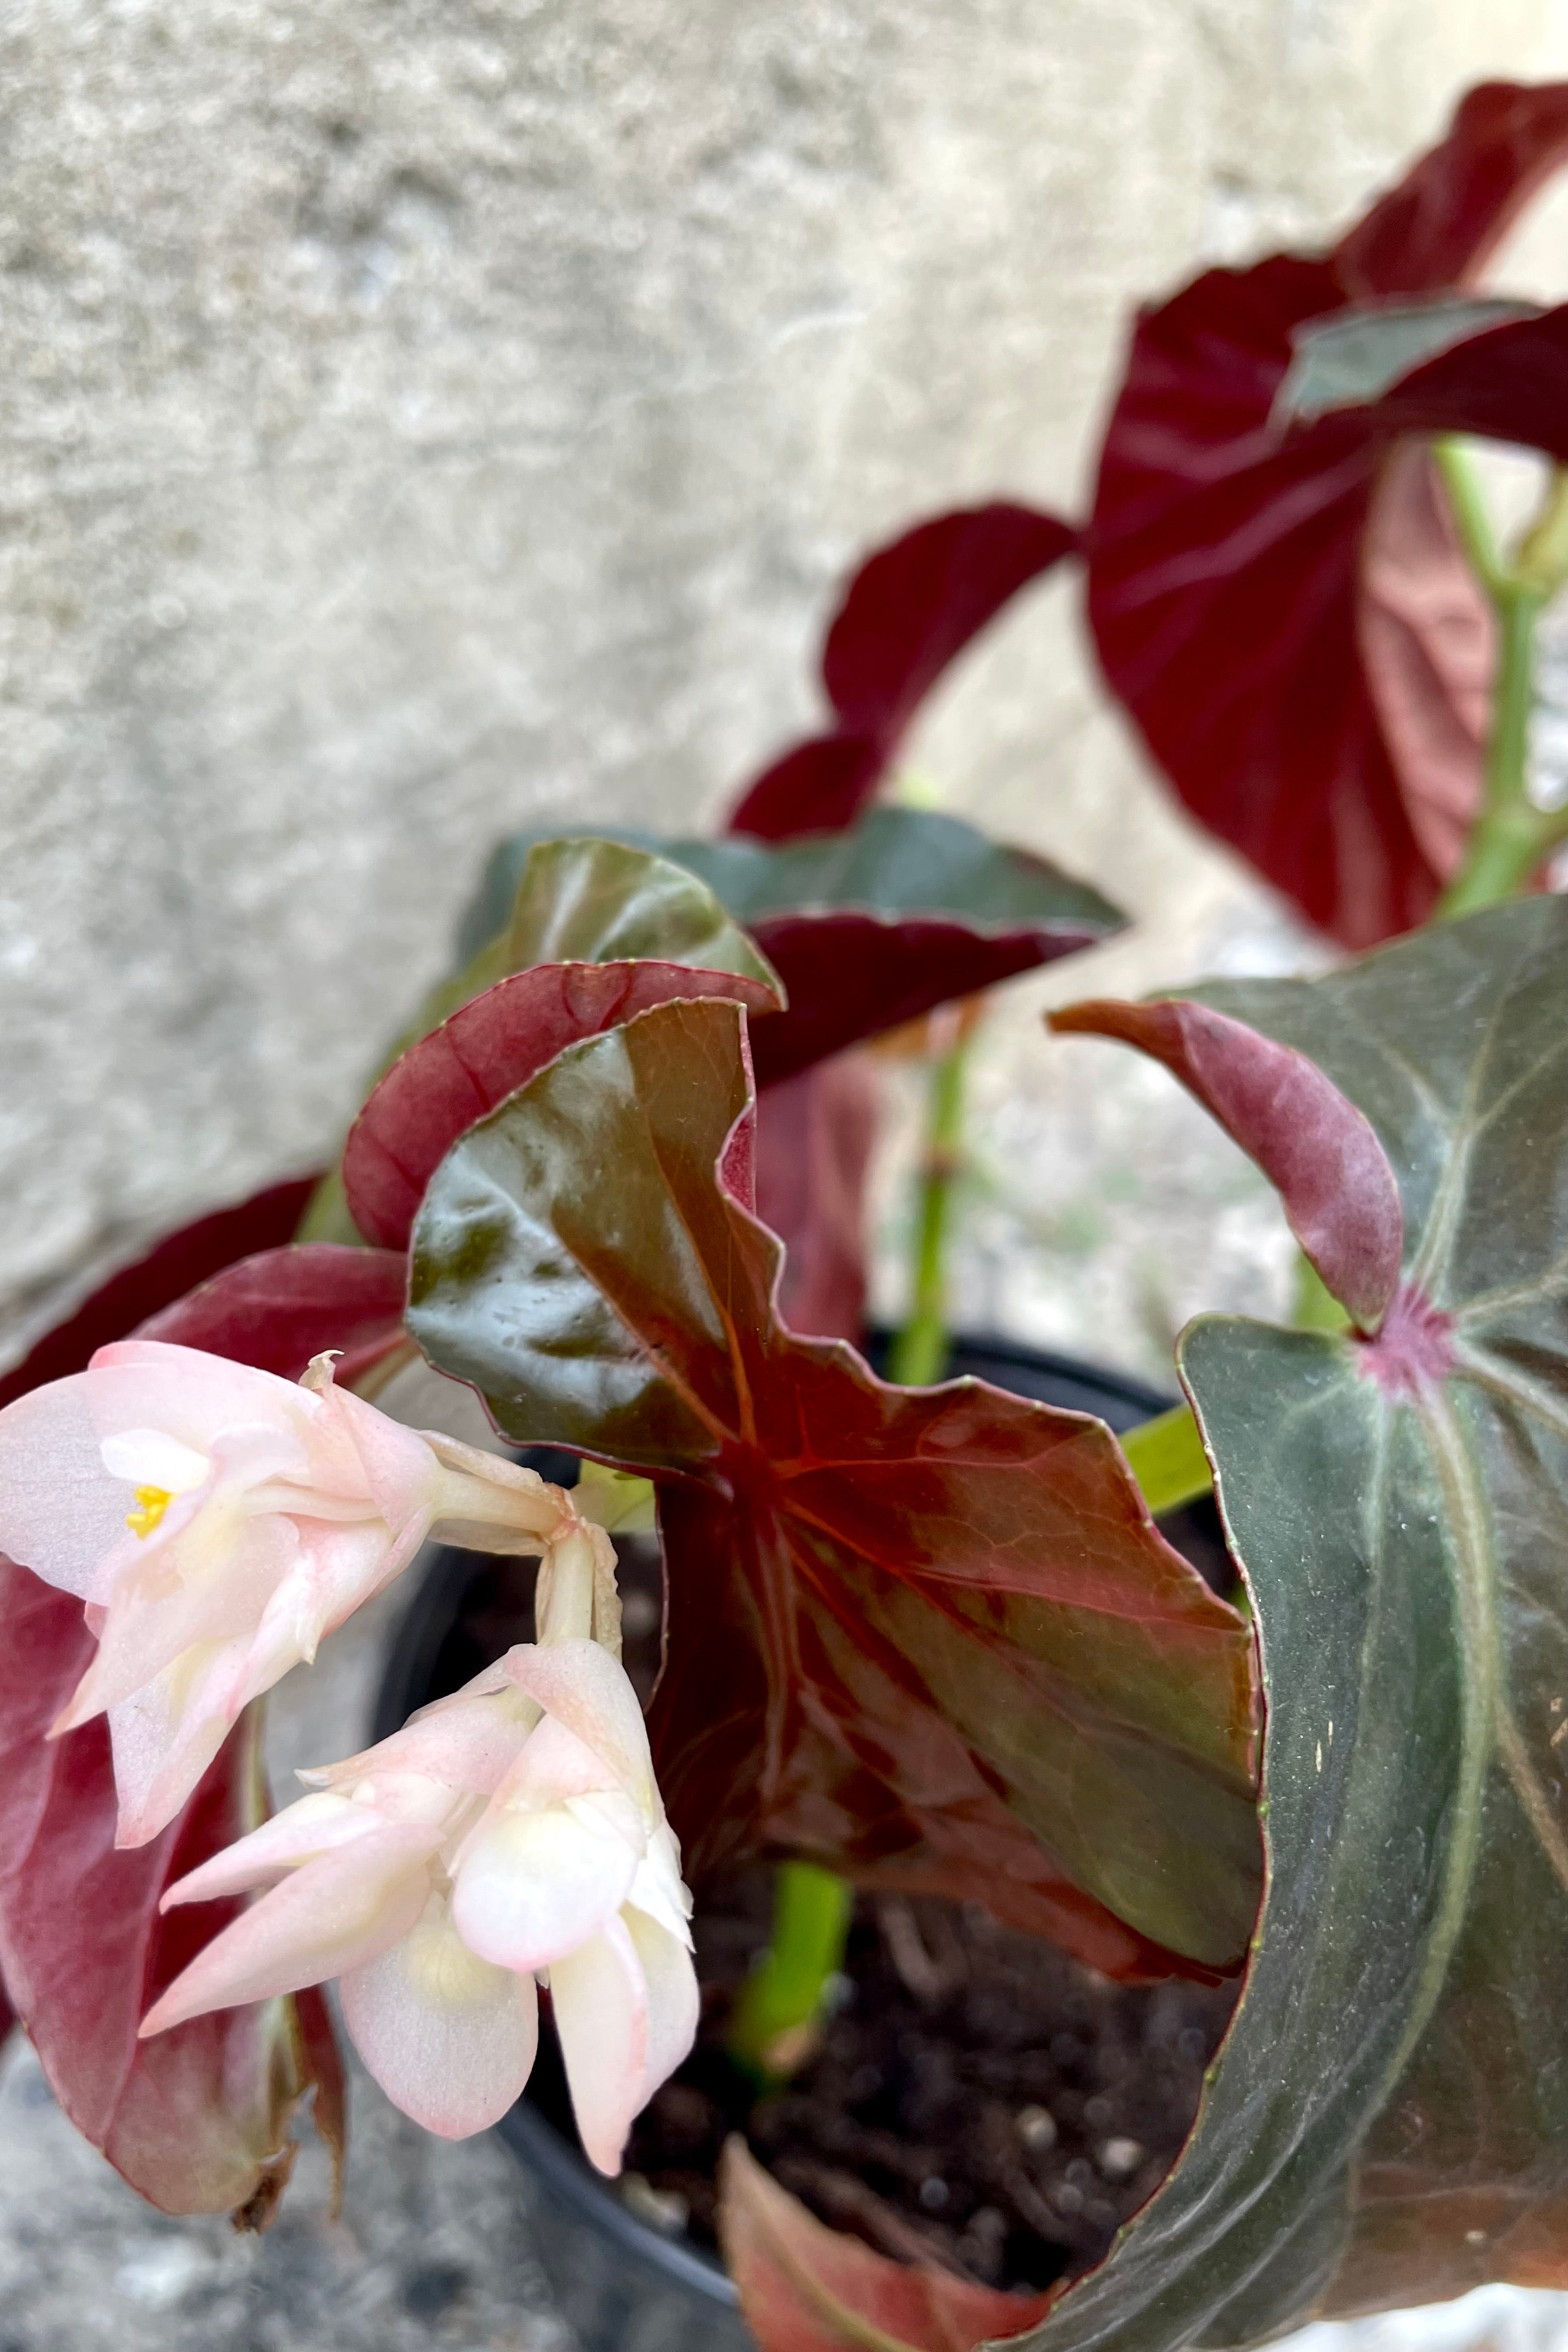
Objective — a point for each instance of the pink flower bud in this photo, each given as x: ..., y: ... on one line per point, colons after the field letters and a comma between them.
x: 217, y: 1521
x: 511, y: 1832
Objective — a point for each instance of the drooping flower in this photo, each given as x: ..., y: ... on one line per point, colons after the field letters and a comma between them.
x: 217, y: 1521
x: 510, y: 1834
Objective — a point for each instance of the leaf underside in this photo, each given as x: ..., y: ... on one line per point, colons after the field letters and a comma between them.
x: 1227, y: 592
x: 929, y: 1637
x: 1388, y: 2121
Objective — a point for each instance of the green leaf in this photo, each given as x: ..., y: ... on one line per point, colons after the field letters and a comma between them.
x: 590, y: 901
x: 1387, y: 2123
x: 1355, y: 356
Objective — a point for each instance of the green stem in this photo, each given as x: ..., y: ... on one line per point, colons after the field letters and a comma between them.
x: 918, y: 1354
x: 1511, y: 836
x: 775, y: 2022
x: 1168, y: 1461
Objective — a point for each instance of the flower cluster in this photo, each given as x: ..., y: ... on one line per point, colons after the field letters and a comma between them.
x: 216, y: 1521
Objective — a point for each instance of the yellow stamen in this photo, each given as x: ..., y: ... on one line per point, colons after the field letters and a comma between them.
x: 151, y: 1502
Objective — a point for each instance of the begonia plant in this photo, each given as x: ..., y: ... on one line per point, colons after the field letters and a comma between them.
x: 918, y: 1636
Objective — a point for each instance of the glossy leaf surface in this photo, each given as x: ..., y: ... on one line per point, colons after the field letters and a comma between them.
x: 483, y: 1053
x: 1388, y: 2121
x: 172, y: 1268
x: 807, y: 2288
x: 196, y: 2120
x: 1348, y: 360
x: 1225, y: 580
x: 929, y: 1637
x: 872, y: 927
x: 910, y: 610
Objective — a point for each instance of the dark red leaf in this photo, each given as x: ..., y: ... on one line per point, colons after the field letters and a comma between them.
x: 279, y: 1309
x: 929, y: 1637
x: 815, y: 1138
x: 851, y: 976
x: 910, y: 610
x: 172, y: 1268
x: 196, y: 2119
x: 807, y: 2288
x: 1225, y: 558
x: 484, y: 1052
x: 1316, y: 1148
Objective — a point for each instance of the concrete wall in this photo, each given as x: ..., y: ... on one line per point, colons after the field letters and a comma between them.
x: 419, y: 413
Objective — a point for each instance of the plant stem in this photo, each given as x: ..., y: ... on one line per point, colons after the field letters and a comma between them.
x: 1167, y: 1458
x: 918, y: 1353
x: 775, y: 2022
x: 1512, y: 836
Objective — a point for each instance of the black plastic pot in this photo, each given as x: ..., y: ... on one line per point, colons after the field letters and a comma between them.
x: 621, y: 2285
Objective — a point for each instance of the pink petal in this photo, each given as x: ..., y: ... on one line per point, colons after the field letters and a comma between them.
x: 451, y: 2039
x: 584, y: 1688
x: 162, y: 1744
x: 673, y: 2000
x: 313, y: 1825
x: 469, y: 1741
x: 61, y: 1514
x: 530, y: 1886
x: 600, y: 1999
x: 330, y: 1916
x: 398, y: 1469
x: 194, y: 1397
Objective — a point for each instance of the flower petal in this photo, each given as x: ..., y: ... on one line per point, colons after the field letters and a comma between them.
x: 397, y: 1468
x: 61, y: 1514
x: 470, y: 1741
x: 150, y: 1457
x: 583, y: 1686
x: 530, y: 1887
x: 193, y: 1396
x: 451, y: 2039
x: 673, y: 2000
x: 313, y: 1825
x: 333, y: 1914
x: 600, y: 1999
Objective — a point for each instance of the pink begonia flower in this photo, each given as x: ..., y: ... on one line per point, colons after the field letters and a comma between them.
x: 217, y: 1521
x: 511, y: 1832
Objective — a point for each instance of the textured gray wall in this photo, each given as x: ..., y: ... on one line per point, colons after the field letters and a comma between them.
x: 420, y: 413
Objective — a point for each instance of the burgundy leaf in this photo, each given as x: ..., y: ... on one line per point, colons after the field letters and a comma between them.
x: 279, y: 1309
x: 1226, y: 578
x: 1316, y: 1147
x: 196, y: 2119
x: 483, y: 1053
x: 927, y: 1637
x: 910, y: 610
x: 807, y: 2288
x: 815, y: 1138
x: 171, y: 1268
x: 851, y: 976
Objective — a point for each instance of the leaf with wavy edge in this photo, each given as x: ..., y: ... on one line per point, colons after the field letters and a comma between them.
x: 927, y: 1636
x: 807, y: 2288
x: 1388, y: 2119
x: 484, y: 1053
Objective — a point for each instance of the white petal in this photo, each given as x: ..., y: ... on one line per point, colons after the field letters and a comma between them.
x: 193, y: 1396
x: 468, y: 1741
x: 658, y: 1889
x: 61, y: 1514
x: 530, y: 1886
x: 600, y: 1999
x: 451, y: 2039
x: 673, y: 2000
x: 150, y: 1457
x: 582, y: 1686
x: 162, y: 1746
x: 333, y: 1914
